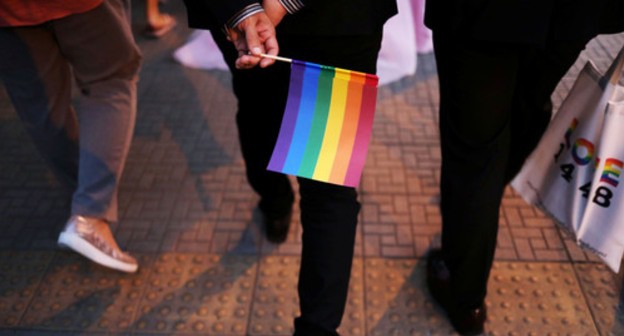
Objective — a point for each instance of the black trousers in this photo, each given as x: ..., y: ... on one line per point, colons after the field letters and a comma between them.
x: 328, y: 212
x: 494, y: 107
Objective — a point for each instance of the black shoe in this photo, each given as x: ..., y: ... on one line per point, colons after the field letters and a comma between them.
x: 469, y: 321
x: 277, y: 228
x: 465, y: 321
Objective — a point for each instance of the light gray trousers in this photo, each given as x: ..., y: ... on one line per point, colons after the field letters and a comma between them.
x: 86, y: 147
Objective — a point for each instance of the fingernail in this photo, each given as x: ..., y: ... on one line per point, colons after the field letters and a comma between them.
x: 257, y: 51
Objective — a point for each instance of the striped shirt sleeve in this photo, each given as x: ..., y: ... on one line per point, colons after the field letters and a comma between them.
x: 292, y: 6
x: 243, y: 14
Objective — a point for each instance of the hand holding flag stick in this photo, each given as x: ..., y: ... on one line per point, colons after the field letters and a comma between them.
x: 327, y: 123
x: 254, y: 33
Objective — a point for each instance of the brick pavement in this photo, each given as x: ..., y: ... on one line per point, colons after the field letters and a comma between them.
x: 188, y: 212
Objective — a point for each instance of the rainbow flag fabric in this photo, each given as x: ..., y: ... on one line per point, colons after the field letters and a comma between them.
x: 327, y: 124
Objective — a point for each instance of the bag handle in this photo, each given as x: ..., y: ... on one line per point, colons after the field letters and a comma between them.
x: 613, y: 75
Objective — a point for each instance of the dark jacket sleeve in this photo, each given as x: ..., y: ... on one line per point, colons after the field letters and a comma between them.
x: 213, y: 14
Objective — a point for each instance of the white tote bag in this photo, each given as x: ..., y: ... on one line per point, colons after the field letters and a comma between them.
x: 575, y: 174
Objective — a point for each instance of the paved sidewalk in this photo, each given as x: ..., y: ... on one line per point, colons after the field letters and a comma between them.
x: 189, y: 214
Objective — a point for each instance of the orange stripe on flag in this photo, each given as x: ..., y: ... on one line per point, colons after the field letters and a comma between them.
x: 349, y: 129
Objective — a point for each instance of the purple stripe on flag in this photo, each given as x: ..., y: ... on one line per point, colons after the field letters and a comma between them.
x: 305, y: 117
x: 290, y: 117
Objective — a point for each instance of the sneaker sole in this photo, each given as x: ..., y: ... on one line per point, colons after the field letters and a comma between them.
x: 79, y: 245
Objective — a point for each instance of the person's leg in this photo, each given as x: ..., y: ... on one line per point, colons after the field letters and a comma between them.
x: 477, y: 85
x: 41, y: 91
x: 100, y: 47
x: 38, y: 80
x: 329, y: 219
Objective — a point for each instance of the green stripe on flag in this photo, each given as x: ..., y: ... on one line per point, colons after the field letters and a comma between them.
x: 319, y: 122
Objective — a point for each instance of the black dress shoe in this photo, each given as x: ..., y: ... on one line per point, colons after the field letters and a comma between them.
x: 469, y: 321
x: 464, y: 321
x: 277, y: 228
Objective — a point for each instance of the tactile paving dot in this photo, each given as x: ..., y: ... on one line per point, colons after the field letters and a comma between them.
x: 197, y: 294
x: 353, y: 320
x: 76, y: 294
x: 20, y: 275
x: 397, y: 302
x: 600, y: 286
x: 276, y: 301
x: 536, y: 299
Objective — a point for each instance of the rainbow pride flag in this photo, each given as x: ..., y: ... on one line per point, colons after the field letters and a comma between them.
x: 327, y: 124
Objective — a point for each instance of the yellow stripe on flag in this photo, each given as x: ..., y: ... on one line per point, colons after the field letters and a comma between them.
x: 335, y: 120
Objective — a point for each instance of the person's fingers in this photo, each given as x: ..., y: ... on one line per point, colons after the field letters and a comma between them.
x: 240, y: 44
x: 249, y: 61
x: 266, y: 33
x: 272, y: 48
x: 252, y: 38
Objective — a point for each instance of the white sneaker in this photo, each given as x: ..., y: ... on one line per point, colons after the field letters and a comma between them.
x: 93, y: 238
